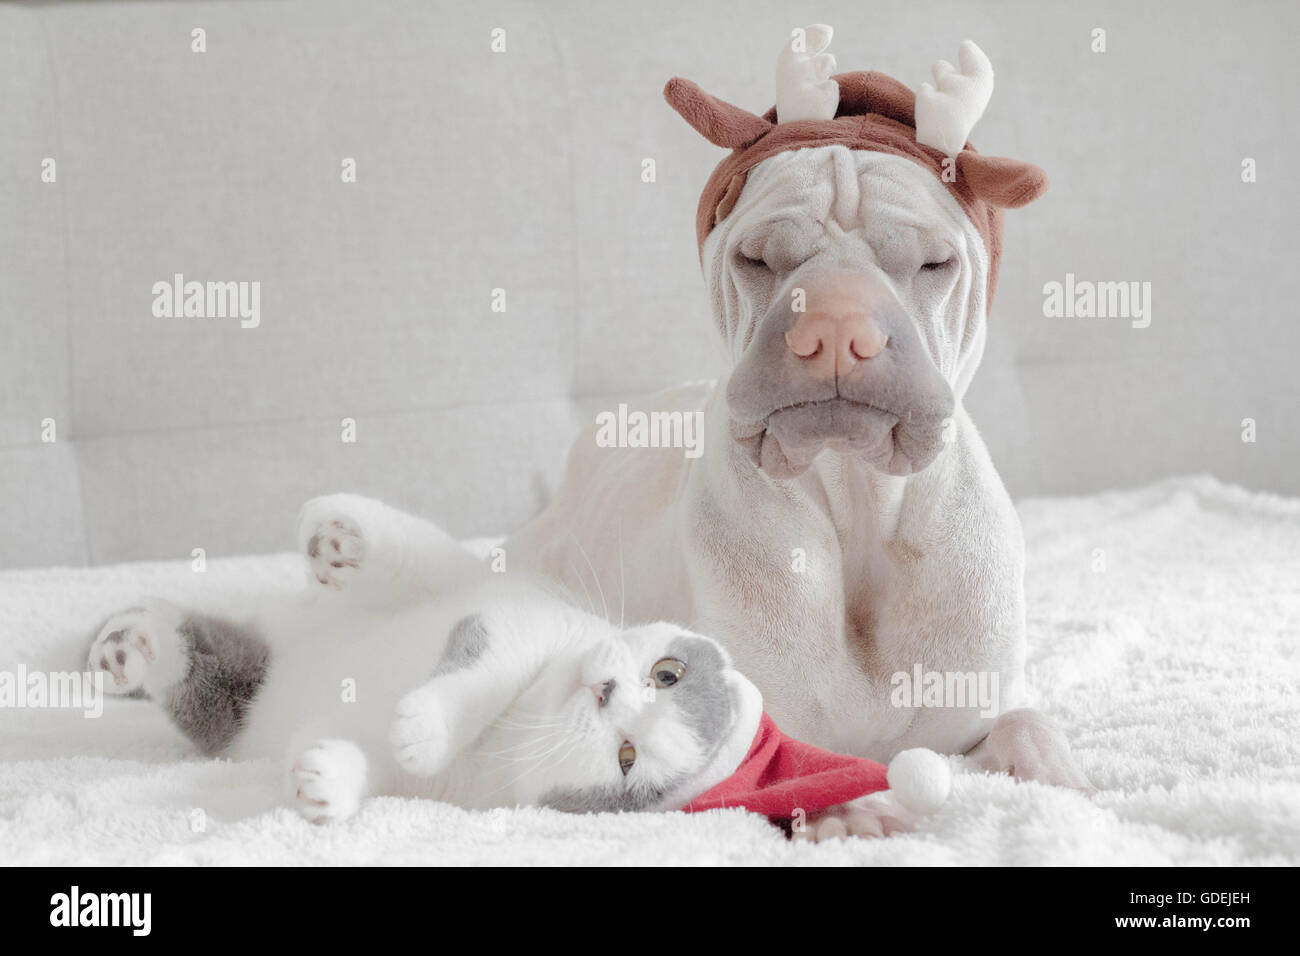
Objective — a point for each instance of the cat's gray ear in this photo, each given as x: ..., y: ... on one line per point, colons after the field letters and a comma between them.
x: 466, y: 643
x: 717, y: 651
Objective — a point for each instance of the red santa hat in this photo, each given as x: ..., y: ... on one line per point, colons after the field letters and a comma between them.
x: 864, y: 111
x: 781, y: 777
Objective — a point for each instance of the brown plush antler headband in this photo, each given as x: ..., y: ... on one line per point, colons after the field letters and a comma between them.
x: 864, y: 111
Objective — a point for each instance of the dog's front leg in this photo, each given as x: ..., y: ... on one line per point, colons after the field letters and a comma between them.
x: 1030, y: 746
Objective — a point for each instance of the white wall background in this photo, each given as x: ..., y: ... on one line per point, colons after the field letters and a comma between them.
x: 522, y: 171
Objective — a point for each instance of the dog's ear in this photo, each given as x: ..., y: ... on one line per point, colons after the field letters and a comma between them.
x: 718, y: 121
x: 1005, y: 183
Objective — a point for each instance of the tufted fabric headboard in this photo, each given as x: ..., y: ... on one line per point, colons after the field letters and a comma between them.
x: 540, y: 168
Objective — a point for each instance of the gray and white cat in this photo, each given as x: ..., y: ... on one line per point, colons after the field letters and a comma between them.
x: 410, y: 669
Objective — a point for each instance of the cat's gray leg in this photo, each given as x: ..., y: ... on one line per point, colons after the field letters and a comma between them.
x: 327, y: 780
x: 378, y: 554
x: 203, y: 671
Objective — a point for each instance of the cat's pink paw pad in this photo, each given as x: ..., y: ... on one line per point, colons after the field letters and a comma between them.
x: 335, y: 551
x: 327, y: 781
x: 126, y: 648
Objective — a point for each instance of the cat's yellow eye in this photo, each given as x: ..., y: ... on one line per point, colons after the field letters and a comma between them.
x: 667, y: 672
x: 626, y: 757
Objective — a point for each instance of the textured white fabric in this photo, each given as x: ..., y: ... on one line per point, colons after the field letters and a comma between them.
x: 1173, y: 671
x: 804, y: 89
x: 948, y: 109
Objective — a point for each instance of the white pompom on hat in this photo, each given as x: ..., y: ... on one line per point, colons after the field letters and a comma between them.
x: 920, y: 779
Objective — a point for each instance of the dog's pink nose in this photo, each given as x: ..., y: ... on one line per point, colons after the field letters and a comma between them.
x: 836, y: 330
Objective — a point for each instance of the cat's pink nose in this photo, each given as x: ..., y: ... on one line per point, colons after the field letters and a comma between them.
x: 603, y: 690
x: 835, y: 329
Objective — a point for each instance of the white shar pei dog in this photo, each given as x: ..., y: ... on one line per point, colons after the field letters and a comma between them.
x: 844, y: 524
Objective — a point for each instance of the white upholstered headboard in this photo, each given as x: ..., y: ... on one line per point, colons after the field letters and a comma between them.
x: 524, y: 171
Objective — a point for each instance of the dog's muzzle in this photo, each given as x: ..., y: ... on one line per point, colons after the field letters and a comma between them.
x: 838, y: 363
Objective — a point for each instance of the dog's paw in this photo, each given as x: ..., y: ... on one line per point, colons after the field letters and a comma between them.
x: 1029, y: 746
x: 421, y: 734
x: 333, y: 541
x: 328, y: 780
x: 869, y: 817
x: 139, y: 649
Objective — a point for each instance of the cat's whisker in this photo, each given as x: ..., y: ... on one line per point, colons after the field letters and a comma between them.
x: 545, y: 723
x: 517, y: 752
x: 594, y: 576
x: 515, y: 712
x: 522, y: 749
x: 510, y: 783
x: 529, y: 729
x: 562, y: 735
x: 542, y: 748
x: 622, y: 581
x: 591, y: 608
x: 507, y: 724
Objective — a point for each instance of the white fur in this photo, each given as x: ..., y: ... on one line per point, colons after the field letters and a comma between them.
x: 1146, y: 663
x: 925, y: 568
x: 148, y: 663
x: 327, y: 780
x: 352, y: 696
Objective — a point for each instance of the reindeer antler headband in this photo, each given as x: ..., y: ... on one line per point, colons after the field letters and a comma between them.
x: 865, y: 111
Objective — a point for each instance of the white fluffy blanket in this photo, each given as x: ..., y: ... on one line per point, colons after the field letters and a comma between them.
x: 1174, y: 672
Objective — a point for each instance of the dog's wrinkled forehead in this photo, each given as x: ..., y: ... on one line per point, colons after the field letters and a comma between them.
x: 815, y: 200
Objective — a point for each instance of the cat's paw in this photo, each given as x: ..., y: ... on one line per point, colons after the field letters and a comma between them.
x: 872, y: 816
x: 333, y: 542
x: 139, y: 649
x: 421, y: 734
x: 328, y: 780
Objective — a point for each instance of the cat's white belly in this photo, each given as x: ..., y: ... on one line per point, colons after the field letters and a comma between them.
x: 338, y: 672
x: 495, y: 696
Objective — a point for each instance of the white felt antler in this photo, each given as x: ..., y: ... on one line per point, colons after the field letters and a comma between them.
x: 804, y: 89
x: 946, y: 115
